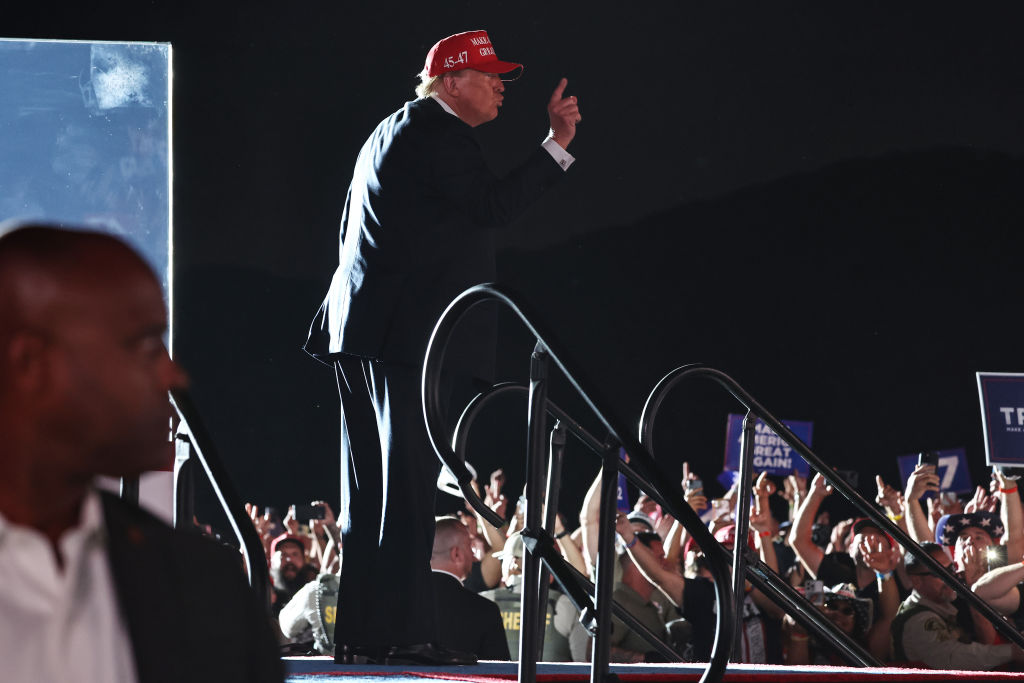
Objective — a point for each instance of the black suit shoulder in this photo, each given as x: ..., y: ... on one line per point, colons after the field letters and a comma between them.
x: 467, y: 621
x: 187, y: 605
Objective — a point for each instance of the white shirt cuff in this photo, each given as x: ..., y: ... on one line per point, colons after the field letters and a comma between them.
x: 561, y: 157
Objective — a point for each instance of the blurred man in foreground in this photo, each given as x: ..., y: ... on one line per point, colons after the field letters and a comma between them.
x: 95, y: 589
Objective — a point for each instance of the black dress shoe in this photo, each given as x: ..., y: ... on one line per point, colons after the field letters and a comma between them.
x: 428, y: 654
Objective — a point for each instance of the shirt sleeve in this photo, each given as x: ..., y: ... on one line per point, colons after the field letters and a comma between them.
x: 295, y: 615
x: 561, y: 157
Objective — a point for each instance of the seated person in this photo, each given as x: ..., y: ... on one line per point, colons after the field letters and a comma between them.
x: 466, y: 621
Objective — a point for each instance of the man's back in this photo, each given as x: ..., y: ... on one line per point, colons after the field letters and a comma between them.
x: 466, y: 621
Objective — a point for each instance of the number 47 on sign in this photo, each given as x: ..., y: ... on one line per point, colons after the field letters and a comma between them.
x: 952, y: 470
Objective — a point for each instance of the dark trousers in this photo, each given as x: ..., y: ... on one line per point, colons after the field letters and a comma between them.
x: 386, y: 592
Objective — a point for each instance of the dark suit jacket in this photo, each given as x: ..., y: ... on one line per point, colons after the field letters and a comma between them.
x: 188, y: 609
x: 468, y: 622
x: 415, y: 233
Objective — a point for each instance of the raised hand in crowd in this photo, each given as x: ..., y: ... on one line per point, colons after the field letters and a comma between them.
x: 921, y: 480
x: 839, y: 537
x: 891, y: 500
x: 291, y: 524
x: 696, y: 499
x: 763, y: 489
x: 800, y: 535
x: 494, y: 498
x: 880, y: 557
x: 819, y: 486
x: 761, y: 519
x: 646, y: 505
x: 883, y: 559
x: 974, y: 562
x: 263, y: 527
x: 1011, y: 513
x: 326, y: 539
x: 794, y: 490
x: 981, y: 502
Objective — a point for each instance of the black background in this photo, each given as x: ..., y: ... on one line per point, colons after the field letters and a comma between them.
x: 822, y: 201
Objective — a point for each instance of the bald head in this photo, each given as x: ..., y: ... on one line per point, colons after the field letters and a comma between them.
x: 83, y: 371
x: 452, y: 551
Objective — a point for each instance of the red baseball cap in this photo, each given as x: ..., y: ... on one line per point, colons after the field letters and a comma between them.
x: 468, y: 50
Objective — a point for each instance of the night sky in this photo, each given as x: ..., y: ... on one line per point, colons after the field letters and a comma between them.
x: 822, y: 201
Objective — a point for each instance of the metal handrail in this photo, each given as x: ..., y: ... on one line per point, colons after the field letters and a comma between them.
x: 192, y: 430
x: 799, y: 604
x: 572, y: 578
x: 641, y: 470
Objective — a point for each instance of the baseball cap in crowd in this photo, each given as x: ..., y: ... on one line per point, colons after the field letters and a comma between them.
x: 514, y: 547
x: 842, y: 597
x: 637, y: 517
x: 949, y: 527
x: 286, y: 538
x: 468, y: 50
x: 727, y: 535
x: 724, y: 535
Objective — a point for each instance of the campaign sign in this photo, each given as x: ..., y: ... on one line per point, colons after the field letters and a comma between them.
x: 770, y: 453
x: 952, y: 470
x: 1002, y: 416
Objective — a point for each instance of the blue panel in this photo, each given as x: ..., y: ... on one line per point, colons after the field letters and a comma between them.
x: 771, y: 453
x: 1002, y: 412
x: 85, y: 139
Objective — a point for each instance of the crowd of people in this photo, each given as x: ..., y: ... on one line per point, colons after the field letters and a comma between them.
x: 872, y: 589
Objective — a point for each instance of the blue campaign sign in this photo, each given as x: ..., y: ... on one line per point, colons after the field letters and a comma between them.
x: 770, y: 454
x: 952, y: 470
x: 1002, y: 416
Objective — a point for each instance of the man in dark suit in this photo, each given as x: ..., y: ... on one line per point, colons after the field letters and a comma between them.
x: 416, y: 231
x: 93, y: 588
x: 466, y: 621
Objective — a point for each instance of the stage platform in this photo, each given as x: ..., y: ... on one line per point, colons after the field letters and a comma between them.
x: 307, y: 669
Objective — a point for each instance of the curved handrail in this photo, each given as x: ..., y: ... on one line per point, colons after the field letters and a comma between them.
x: 642, y: 469
x: 460, y: 441
x: 477, y: 403
x: 673, y: 378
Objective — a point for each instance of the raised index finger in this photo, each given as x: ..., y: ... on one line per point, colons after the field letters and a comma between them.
x: 559, y: 89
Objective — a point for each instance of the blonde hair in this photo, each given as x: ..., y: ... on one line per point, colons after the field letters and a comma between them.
x: 428, y: 84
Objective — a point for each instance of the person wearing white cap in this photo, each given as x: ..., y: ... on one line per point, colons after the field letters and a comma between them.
x: 415, y: 232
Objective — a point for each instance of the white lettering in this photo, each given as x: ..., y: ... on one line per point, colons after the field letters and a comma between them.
x: 1020, y: 416
x: 773, y: 460
x: 479, y: 41
x: 1007, y: 412
x: 484, y: 51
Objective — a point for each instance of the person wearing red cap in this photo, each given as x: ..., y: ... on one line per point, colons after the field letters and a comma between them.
x: 417, y: 230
